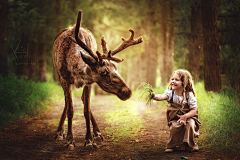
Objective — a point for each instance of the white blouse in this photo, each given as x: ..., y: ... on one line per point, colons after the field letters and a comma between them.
x: 192, y: 101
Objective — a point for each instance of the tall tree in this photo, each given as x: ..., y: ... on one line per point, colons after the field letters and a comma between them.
x: 42, y: 65
x: 23, y: 20
x: 58, y: 28
x: 151, y: 46
x: 32, y: 59
x: 171, y: 37
x: 4, y: 37
x: 195, y: 43
x: 229, y: 39
x: 167, y: 35
x: 211, y: 47
x: 22, y: 56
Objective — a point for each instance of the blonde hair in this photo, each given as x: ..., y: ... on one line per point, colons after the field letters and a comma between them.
x: 186, y: 78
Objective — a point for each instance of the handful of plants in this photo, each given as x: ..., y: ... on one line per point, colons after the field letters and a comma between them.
x: 147, y: 88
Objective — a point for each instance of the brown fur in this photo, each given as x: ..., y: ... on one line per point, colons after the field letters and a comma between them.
x: 77, y: 66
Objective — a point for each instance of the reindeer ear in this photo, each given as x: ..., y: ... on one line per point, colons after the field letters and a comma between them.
x: 88, y: 59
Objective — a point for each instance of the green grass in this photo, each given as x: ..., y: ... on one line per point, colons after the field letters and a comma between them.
x: 20, y: 98
x: 125, y: 121
x: 219, y: 114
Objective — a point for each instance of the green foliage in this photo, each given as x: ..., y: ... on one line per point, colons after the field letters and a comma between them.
x: 219, y: 114
x: 23, y: 20
x: 20, y: 98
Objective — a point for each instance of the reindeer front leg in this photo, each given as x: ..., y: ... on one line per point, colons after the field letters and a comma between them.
x: 88, y: 115
x: 68, y: 111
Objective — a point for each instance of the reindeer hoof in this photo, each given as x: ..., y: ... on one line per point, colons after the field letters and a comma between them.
x: 71, y: 146
x: 90, y: 143
x: 59, y: 137
x: 98, y: 136
x: 95, y: 145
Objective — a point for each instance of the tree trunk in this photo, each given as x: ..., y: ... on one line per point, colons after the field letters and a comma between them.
x: 151, y: 48
x: 42, y: 64
x: 58, y: 28
x: 171, y: 37
x: 21, y: 56
x: 195, y: 44
x: 211, y: 47
x: 3, y: 37
x: 32, y: 61
x: 167, y: 32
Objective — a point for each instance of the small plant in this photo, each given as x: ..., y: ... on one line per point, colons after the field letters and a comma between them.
x: 147, y: 88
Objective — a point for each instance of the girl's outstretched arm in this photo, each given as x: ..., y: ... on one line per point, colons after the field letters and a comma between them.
x: 160, y: 97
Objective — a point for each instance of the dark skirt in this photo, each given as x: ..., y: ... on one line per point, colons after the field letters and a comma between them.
x: 181, y: 134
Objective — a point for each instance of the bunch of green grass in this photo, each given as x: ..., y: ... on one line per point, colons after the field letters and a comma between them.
x: 146, y: 88
x: 20, y: 98
x: 219, y: 114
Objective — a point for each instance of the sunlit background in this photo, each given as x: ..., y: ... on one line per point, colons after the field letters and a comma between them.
x: 164, y: 25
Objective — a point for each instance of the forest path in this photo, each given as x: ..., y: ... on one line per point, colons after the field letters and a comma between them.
x: 34, y: 139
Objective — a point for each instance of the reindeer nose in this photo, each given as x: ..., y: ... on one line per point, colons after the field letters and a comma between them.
x: 126, y: 93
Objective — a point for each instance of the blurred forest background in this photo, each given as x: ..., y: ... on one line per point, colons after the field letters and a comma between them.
x: 175, y: 33
x: 202, y: 36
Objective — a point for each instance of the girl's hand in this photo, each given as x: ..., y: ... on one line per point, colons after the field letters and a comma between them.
x: 182, y: 119
x: 151, y: 95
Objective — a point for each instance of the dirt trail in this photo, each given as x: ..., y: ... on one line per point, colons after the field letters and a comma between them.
x: 34, y: 139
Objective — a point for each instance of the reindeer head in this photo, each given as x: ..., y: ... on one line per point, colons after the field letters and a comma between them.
x: 103, y: 71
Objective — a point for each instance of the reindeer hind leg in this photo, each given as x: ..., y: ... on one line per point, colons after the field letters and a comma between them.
x: 60, y: 135
x: 68, y: 111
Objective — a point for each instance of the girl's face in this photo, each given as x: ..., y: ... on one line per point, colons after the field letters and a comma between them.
x: 176, y: 83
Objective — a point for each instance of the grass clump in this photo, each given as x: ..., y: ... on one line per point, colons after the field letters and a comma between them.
x: 147, y: 88
x: 219, y: 114
x: 20, y: 98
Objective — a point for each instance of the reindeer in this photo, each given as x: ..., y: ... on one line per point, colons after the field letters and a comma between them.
x: 77, y: 62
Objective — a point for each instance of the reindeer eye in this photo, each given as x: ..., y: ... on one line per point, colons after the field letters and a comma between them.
x: 103, y: 73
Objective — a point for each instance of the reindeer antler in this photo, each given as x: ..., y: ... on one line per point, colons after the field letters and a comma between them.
x: 126, y: 43
x: 78, y: 41
x: 106, y: 54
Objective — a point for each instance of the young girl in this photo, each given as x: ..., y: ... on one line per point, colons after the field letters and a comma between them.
x: 182, y: 112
